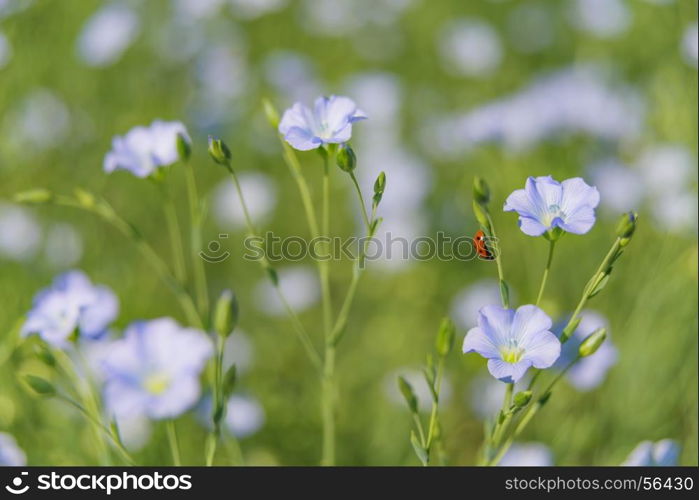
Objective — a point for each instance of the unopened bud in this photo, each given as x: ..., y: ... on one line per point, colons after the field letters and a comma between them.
x: 346, y: 158
x: 219, y: 151
x: 184, y: 147
x: 271, y: 113
x: 569, y: 329
x: 445, y: 337
x: 39, y: 385
x: 481, y: 191
x: 379, y: 188
x: 408, y: 394
x: 590, y: 345
x: 521, y: 399
x: 34, y: 196
x: 627, y: 225
x: 85, y: 198
x: 226, y: 313
x: 481, y: 215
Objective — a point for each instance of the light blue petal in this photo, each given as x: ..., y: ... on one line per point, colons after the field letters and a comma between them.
x: 528, y: 320
x: 302, y: 139
x: 666, y: 452
x: 531, y: 226
x: 520, y: 202
x: 295, y: 116
x: 508, y: 372
x: 179, y: 397
x: 580, y: 221
x: 496, y: 323
x: 577, y: 193
x: 542, y: 349
x: 478, y: 341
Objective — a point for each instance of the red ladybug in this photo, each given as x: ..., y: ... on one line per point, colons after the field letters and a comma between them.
x: 481, y: 247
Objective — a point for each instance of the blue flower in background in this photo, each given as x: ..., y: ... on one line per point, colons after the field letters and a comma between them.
x: 649, y: 454
x: 72, y: 303
x: 154, y: 370
x: 10, y: 453
x: 527, y: 455
x: 590, y: 371
x: 329, y: 122
x: 546, y: 204
x: 513, y: 341
x: 142, y: 150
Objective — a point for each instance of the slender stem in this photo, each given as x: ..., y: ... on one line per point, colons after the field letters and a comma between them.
x: 292, y: 162
x: 175, y: 232
x: 107, y: 213
x: 172, y: 440
x: 323, y: 263
x: 365, y: 215
x: 507, y: 400
x: 420, y: 431
x: 300, y: 331
x: 435, y: 405
x: 552, y: 245
x: 214, y: 435
x: 114, y: 439
x: 198, y: 271
x: 498, y: 261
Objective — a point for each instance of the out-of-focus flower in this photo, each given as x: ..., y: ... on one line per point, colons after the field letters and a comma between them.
x: 531, y: 27
x: 251, y: 9
x: 602, y: 18
x: 107, y: 34
x: 667, y: 168
x: 142, y: 150
x: 339, y: 18
x: 470, y: 48
x: 154, y: 370
x: 417, y: 381
x: 64, y: 246
x: 260, y: 197
x: 329, y: 122
x: 238, y: 351
x: 5, y: 50
x: 527, y: 455
x: 649, y: 454
x: 244, y: 416
x: 292, y: 74
x: 513, y: 341
x: 621, y: 188
x: 134, y: 432
x: 222, y: 71
x: 690, y: 44
x: 72, y: 303
x: 10, y: 453
x: 676, y: 212
x: 40, y: 121
x: 197, y: 9
x: 468, y: 301
x: 298, y: 284
x: 546, y: 204
x: 20, y: 233
x: 590, y: 371
x: 381, y: 95
x: 486, y: 395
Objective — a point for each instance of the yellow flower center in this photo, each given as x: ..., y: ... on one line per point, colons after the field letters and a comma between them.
x: 157, y: 383
x: 511, y: 353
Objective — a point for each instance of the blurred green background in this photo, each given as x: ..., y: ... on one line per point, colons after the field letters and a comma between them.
x: 420, y: 70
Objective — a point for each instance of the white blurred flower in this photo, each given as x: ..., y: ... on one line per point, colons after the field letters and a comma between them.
x: 621, y: 188
x: 690, y: 44
x: 381, y: 96
x: 20, y: 233
x: 39, y: 122
x: 134, y: 431
x: 470, y: 48
x: 486, y: 396
x: 251, y: 9
x: 422, y: 391
x: 189, y: 10
x: 667, y: 168
x: 466, y: 303
x: 5, y: 50
x: 676, y: 212
x: 602, y: 18
x: 10, y: 452
x: 531, y: 27
x: 648, y: 454
x: 64, y: 246
x: 292, y: 75
x: 300, y: 286
x: 260, y: 196
x: 244, y: 416
x: 107, y: 34
x: 338, y: 18
x: 527, y: 455
x: 222, y: 71
x: 238, y: 351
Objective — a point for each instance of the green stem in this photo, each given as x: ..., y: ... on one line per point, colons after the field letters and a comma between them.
x: 328, y: 384
x: 173, y: 226
x: 298, y: 327
x: 198, y: 271
x: 365, y: 215
x: 435, y: 406
x: 498, y: 262
x: 552, y: 245
x: 420, y: 431
x: 107, y: 213
x: 172, y: 440
x: 292, y: 162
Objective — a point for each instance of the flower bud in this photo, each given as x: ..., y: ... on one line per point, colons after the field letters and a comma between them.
x: 346, y: 158
x: 592, y: 342
x: 85, y: 198
x: 570, y: 328
x: 219, y: 151
x: 379, y: 188
x: 226, y: 314
x: 184, y: 147
x: 481, y: 215
x: 627, y: 225
x: 408, y: 394
x: 445, y: 337
x: 44, y: 354
x: 271, y: 113
x: 481, y: 191
x: 39, y: 385
x: 34, y: 196
x: 522, y: 398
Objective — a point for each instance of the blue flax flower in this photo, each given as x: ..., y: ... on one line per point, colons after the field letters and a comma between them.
x: 546, y: 204
x: 329, y: 122
x: 71, y: 304
x: 662, y: 453
x: 142, y: 150
x: 154, y: 370
x: 513, y: 341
